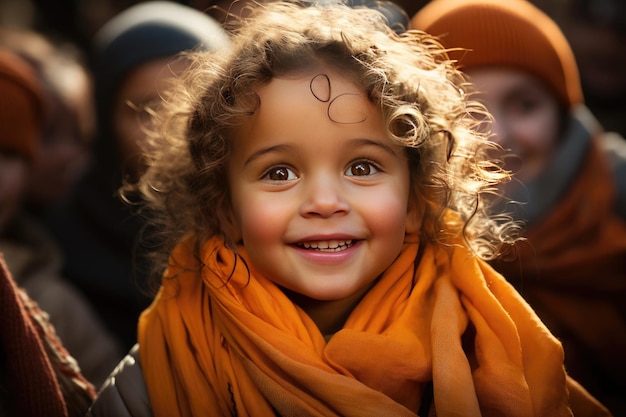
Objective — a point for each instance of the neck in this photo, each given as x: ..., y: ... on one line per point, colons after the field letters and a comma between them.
x: 328, y: 315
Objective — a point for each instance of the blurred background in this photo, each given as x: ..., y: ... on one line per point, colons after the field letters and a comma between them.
x: 595, y: 28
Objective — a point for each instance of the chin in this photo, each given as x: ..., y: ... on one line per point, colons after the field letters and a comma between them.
x: 323, y: 296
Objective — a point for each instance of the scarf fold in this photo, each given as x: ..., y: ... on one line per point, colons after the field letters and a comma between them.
x: 222, y: 340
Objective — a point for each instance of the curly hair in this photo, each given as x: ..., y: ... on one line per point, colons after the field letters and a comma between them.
x: 423, y: 98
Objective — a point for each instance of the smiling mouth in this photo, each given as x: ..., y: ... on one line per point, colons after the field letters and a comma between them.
x: 327, y: 245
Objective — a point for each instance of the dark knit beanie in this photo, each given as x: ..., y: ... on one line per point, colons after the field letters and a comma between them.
x: 141, y: 33
x: 21, y: 106
x: 510, y: 33
x: 151, y: 30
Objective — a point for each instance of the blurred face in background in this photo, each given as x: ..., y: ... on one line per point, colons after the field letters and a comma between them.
x: 138, y: 94
x: 13, y: 181
x: 526, y: 116
x: 64, y: 147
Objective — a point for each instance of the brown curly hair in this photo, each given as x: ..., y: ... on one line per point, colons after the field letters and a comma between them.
x: 423, y: 99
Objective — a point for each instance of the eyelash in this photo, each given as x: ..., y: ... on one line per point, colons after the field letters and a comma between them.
x: 372, y: 166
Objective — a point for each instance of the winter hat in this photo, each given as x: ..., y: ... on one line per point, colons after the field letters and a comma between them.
x: 21, y: 106
x: 141, y: 33
x: 511, y: 33
x: 151, y: 30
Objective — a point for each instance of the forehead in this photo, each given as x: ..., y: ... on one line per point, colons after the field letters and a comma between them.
x: 494, y: 81
x: 320, y: 98
x: 328, y: 90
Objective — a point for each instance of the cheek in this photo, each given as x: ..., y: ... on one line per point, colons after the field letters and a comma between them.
x: 535, y: 140
x: 128, y: 135
x: 386, y: 212
x: 391, y: 218
x: 262, y: 219
x: 127, y: 129
x: 538, y: 133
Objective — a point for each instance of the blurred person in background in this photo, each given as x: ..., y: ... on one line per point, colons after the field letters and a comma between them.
x: 30, y: 254
x: 132, y: 57
x: 69, y: 117
x: 572, y: 266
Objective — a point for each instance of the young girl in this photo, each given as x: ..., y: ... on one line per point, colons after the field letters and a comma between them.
x: 321, y: 187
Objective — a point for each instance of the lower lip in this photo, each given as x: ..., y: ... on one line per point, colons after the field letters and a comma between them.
x: 330, y: 258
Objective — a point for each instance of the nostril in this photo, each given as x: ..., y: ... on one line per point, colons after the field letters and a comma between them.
x: 324, y: 200
x: 325, y: 209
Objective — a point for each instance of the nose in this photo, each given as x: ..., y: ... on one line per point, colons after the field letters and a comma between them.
x: 324, y: 197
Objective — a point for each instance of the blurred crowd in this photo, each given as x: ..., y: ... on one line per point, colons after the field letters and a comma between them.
x: 594, y: 28
x: 90, y: 72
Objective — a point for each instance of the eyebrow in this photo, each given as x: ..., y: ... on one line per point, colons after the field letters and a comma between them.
x: 522, y: 91
x: 354, y: 143
x: 264, y: 151
x: 375, y: 142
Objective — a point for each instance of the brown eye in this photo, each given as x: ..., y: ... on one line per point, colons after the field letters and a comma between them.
x: 280, y: 174
x: 360, y: 169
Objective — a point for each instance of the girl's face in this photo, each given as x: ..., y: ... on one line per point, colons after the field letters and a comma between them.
x: 526, y: 115
x: 319, y: 191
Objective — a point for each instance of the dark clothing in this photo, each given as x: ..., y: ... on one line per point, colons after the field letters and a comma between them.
x: 124, y: 394
x: 38, y: 376
x: 97, y: 235
x: 35, y: 262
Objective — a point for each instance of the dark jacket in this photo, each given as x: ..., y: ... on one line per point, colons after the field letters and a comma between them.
x: 124, y: 394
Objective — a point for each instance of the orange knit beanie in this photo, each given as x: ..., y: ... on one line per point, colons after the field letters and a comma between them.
x: 21, y: 106
x: 512, y: 33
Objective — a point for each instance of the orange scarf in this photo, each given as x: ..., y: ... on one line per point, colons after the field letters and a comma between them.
x: 212, y: 346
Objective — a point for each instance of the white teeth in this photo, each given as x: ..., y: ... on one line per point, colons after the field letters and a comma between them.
x: 328, y: 245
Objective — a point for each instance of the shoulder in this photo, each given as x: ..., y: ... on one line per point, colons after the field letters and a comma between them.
x: 124, y: 393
